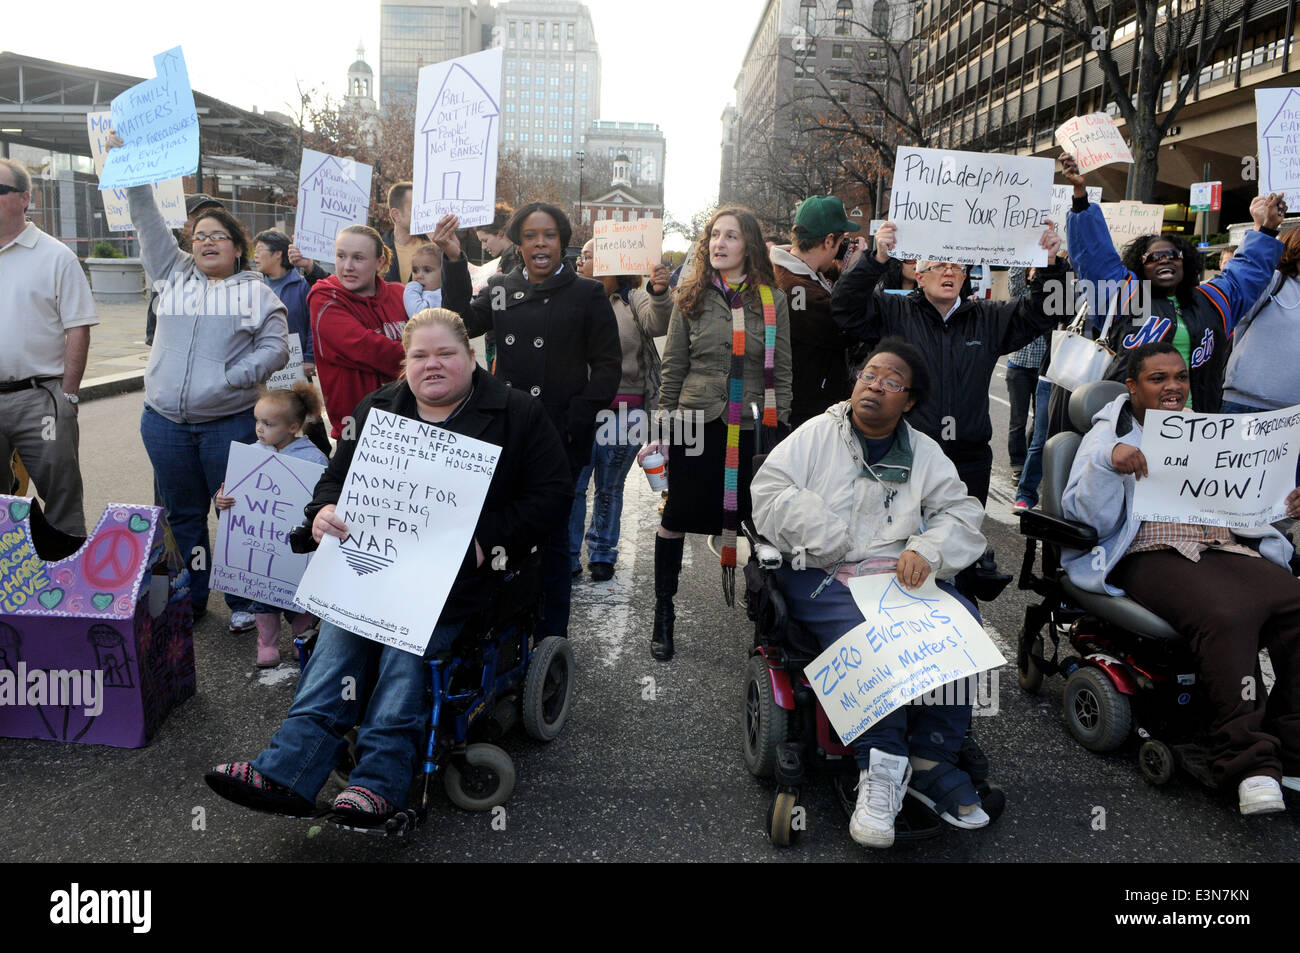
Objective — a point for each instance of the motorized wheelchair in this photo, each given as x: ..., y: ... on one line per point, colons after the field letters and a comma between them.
x: 785, y: 732
x: 494, y: 676
x: 1133, y: 673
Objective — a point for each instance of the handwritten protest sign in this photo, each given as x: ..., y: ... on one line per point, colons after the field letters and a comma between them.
x: 284, y: 378
x: 1094, y: 141
x: 158, y: 125
x: 627, y: 248
x: 457, y: 130
x: 252, y: 557
x: 1127, y: 220
x: 970, y: 207
x: 1277, y: 125
x: 912, y: 643
x: 1232, y: 470
x: 170, y: 194
x: 411, y: 500
x: 333, y: 193
x: 1063, y: 201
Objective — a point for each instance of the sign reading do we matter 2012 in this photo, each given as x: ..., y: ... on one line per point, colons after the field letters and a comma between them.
x: 627, y: 248
x: 912, y: 643
x: 1232, y: 470
x: 411, y: 500
x: 970, y: 207
x: 457, y: 131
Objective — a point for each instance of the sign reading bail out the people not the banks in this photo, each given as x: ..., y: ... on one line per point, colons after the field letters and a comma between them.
x: 411, y: 500
x: 1232, y: 470
x: 970, y: 207
x: 913, y: 643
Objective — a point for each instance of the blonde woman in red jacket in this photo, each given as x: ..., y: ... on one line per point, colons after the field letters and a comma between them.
x: 356, y: 324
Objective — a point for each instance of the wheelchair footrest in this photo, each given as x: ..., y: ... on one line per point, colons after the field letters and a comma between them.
x: 790, y: 763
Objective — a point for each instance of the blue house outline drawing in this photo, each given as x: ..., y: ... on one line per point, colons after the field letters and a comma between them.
x: 1266, y: 182
x: 328, y: 224
x: 428, y: 129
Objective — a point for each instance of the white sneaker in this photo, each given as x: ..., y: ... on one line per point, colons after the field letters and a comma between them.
x: 880, y: 798
x: 1260, y: 794
x: 242, y: 622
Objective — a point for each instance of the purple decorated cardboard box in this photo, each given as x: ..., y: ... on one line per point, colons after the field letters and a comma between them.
x: 96, y: 641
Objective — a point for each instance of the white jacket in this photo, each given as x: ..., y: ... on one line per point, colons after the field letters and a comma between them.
x: 812, y: 493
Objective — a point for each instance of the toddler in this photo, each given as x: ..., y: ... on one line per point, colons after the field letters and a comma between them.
x: 425, y: 288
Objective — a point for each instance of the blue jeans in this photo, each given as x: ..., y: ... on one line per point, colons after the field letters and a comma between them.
x: 1020, y: 390
x: 933, y: 732
x: 610, y: 464
x: 391, y: 724
x: 189, y: 464
x: 1032, y: 474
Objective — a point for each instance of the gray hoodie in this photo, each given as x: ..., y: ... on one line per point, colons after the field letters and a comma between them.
x: 216, y: 340
x: 1101, y: 497
x: 1266, y: 349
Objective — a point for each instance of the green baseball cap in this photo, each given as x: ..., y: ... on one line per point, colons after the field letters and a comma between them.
x: 822, y: 215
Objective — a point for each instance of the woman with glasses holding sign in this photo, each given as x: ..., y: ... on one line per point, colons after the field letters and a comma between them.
x: 1161, y: 295
x: 221, y: 332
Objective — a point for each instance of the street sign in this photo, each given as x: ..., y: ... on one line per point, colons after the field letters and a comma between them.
x: 1207, y: 196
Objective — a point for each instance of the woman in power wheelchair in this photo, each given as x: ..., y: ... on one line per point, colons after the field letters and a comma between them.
x: 350, y: 680
x: 852, y: 492
x: 1168, y: 618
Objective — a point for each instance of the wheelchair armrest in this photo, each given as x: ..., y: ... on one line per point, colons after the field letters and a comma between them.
x: 765, y: 552
x: 1056, y: 529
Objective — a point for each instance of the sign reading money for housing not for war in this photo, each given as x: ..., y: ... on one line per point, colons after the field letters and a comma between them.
x: 457, y: 131
x: 169, y: 194
x: 970, y: 207
x: 912, y: 644
x: 1094, y: 141
x: 627, y: 248
x: 1232, y: 470
x: 411, y: 500
x: 333, y: 193
x: 159, y: 127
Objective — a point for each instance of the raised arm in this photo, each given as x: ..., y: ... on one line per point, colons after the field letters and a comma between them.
x: 1234, y: 290
x: 853, y: 305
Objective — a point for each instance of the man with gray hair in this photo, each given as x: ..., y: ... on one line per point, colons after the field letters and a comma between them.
x: 46, y: 311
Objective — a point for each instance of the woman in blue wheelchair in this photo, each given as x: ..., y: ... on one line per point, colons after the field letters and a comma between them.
x: 351, y: 681
x: 858, y: 491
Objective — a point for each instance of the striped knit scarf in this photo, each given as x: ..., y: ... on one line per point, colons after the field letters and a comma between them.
x: 735, y: 400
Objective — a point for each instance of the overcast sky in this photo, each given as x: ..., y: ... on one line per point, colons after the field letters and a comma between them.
x: 673, y: 62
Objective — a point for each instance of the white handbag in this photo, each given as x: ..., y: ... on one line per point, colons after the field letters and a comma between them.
x: 1077, y: 359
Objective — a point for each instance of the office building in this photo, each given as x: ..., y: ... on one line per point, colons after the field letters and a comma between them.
x: 415, y: 33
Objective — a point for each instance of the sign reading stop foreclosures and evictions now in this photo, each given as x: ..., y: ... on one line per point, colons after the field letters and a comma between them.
x: 627, y: 248
x: 970, y: 207
x: 1094, y: 141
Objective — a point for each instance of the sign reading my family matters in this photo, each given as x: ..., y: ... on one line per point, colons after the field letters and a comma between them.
x: 158, y: 125
x: 627, y: 248
x: 1127, y: 220
x: 284, y: 378
x: 1094, y: 141
x: 912, y: 643
x: 170, y: 194
x: 1277, y: 125
x: 457, y: 129
x: 970, y: 207
x: 411, y: 500
x: 1232, y: 470
x: 333, y: 193
x: 252, y: 557
x: 1063, y: 201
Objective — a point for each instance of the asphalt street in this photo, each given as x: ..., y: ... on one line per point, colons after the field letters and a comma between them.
x: 648, y: 767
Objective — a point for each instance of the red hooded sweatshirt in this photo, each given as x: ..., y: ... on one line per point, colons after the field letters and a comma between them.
x: 358, y: 343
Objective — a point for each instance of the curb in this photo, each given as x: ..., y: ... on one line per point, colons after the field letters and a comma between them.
x: 111, y: 385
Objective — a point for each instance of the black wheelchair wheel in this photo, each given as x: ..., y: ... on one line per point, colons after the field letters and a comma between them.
x: 1097, y: 714
x: 548, y: 688
x: 1028, y: 674
x: 764, y: 723
x: 488, y: 779
x: 1156, y: 762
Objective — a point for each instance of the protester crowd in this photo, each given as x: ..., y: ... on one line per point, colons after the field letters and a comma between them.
x: 865, y: 379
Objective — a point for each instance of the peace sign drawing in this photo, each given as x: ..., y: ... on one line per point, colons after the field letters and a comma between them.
x: 111, y: 559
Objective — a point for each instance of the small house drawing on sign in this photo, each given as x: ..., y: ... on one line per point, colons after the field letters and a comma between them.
x: 331, y: 199
x: 458, y: 139
x: 1281, y: 127
x: 253, y: 542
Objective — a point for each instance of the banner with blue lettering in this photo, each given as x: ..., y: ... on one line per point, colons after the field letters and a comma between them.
x: 158, y: 125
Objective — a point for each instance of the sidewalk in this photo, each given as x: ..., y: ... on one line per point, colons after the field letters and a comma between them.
x: 118, y: 353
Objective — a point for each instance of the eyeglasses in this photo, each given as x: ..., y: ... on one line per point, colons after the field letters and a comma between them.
x: 889, y: 384
x: 1169, y: 254
x: 201, y: 237
x: 7, y: 189
x: 946, y: 268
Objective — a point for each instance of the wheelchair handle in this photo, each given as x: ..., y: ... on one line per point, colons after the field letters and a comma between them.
x: 768, y: 556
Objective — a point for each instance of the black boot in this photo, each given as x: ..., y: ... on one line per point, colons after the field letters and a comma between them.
x: 668, y: 566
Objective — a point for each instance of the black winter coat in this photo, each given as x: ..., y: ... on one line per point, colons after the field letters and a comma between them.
x: 960, y: 353
x: 529, y: 497
x: 556, y: 341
